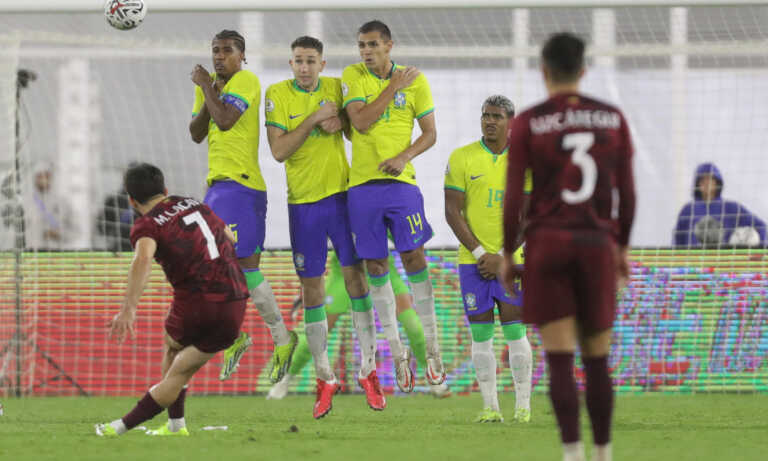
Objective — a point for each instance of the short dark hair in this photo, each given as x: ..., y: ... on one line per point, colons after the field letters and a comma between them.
x: 502, y: 102
x: 144, y: 181
x: 232, y: 35
x: 306, y: 41
x: 376, y: 26
x: 563, y: 55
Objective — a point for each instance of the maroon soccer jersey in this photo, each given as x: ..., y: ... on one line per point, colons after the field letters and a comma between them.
x: 580, y: 152
x: 193, y: 249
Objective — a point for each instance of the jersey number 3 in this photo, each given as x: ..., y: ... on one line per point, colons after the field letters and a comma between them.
x: 580, y: 143
x: 197, y: 218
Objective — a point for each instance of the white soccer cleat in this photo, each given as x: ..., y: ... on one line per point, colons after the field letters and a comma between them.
x: 280, y: 389
x: 403, y: 373
x: 435, y: 371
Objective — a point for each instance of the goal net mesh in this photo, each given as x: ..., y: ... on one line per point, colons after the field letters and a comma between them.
x: 80, y: 101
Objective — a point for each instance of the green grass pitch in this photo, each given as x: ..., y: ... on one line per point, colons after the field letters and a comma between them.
x: 647, y: 427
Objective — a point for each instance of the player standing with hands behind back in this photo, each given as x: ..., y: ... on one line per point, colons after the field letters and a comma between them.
x: 580, y: 151
x: 226, y: 111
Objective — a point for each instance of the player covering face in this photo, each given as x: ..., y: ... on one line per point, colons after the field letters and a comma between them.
x: 474, y: 189
x: 382, y: 100
x: 305, y: 132
x: 226, y: 111
x: 580, y: 152
x: 194, y: 248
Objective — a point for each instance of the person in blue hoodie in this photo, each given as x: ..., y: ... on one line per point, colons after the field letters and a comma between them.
x: 709, y: 220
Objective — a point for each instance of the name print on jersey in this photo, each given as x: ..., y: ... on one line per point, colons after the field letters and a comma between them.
x: 183, y: 205
x: 586, y: 119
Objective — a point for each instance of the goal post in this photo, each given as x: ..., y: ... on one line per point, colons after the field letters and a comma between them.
x: 689, y: 75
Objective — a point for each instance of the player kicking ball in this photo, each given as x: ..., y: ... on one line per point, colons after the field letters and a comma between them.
x: 580, y: 152
x: 474, y: 195
x: 195, y: 249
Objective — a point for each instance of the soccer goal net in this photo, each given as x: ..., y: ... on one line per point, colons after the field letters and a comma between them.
x: 80, y: 101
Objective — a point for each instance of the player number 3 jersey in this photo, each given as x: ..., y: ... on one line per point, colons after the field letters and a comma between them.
x: 482, y: 176
x: 192, y: 247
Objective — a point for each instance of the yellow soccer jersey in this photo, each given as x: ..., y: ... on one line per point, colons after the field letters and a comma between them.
x: 234, y: 154
x: 319, y: 167
x: 389, y: 135
x: 482, y: 175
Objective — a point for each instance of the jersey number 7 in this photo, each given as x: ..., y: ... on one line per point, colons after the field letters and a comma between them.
x: 580, y: 143
x: 197, y: 218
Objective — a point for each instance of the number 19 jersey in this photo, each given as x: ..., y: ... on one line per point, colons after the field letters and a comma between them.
x: 482, y: 176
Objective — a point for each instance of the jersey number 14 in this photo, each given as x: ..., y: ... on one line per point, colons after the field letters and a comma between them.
x: 579, y: 144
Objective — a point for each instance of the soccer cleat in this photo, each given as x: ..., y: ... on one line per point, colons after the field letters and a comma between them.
x: 323, y: 401
x: 105, y: 430
x: 440, y: 391
x: 373, y: 393
x: 164, y: 430
x: 280, y: 389
x: 403, y: 373
x: 233, y: 355
x: 523, y: 415
x: 435, y: 371
x: 488, y: 415
x: 281, y: 358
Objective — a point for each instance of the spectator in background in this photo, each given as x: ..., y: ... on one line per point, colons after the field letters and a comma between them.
x: 115, y: 220
x: 711, y: 221
x: 49, y: 223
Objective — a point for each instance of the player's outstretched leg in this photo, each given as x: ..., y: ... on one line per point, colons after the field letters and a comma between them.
x: 484, y: 360
x: 384, y: 302
x: 233, y: 355
x: 424, y: 304
x: 520, y: 362
x: 161, y: 395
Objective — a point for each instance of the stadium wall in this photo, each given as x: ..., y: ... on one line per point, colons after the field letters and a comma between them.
x: 690, y: 321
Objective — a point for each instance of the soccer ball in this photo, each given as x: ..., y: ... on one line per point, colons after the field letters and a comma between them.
x: 125, y: 14
x: 745, y: 236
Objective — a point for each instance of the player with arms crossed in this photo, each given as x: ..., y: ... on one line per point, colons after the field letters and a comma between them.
x: 226, y: 111
x: 194, y: 248
x: 580, y: 152
x: 305, y: 132
x: 474, y: 194
x: 382, y: 100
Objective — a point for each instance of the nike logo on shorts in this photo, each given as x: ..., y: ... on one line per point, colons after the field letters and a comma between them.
x: 417, y: 239
x: 294, y: 116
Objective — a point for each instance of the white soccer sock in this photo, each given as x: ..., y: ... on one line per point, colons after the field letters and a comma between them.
x: 119, y: 426
x: 573, y: 451
x: 176, y: 424
x: 520, y: 362
x: 602, y: 452
x: 266, y: 304
x: 317, y: 340
x: 485, y: 367
x: 383, y: 298
x: 424, y: 305
x: 365, y: 327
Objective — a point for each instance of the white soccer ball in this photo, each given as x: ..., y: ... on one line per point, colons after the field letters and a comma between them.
x: 125, y: 14
x: 745, y: 236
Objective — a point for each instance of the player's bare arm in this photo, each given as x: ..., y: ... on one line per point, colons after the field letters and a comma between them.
x: 284, y: 143
x: 395, y: 165
x: 198, y: 127
x: 224, y: 115
x: 331, y: 125
x: 121, y: 326
x: 363, y: 115
x: 488, y: 264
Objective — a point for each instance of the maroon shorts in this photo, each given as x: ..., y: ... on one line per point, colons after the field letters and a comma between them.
x: 209, y: 326
x: 570, y: 273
